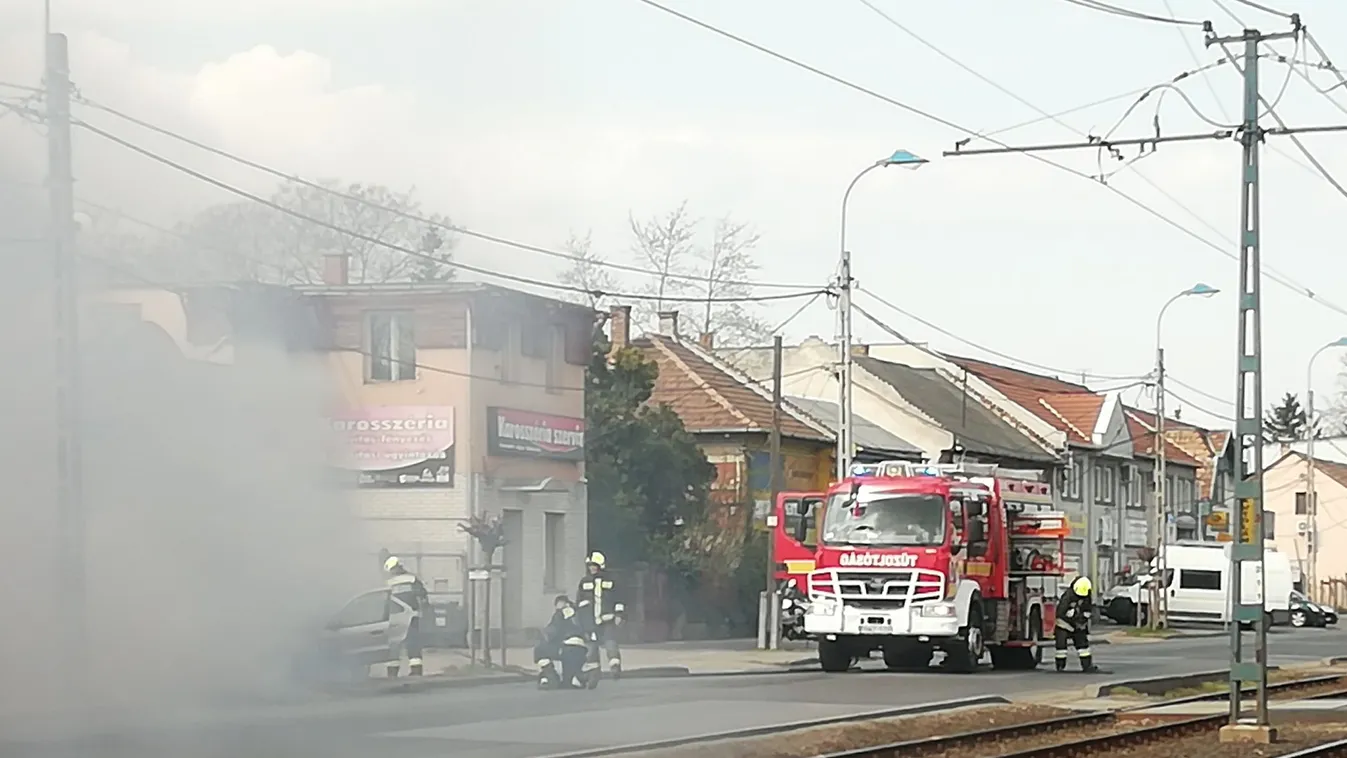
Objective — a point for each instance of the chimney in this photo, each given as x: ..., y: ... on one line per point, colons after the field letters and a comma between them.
x: 861, y: 350
x: 336, y: 269
x: 707, y: 340
x: 668, y: 323
x: 620, y: 326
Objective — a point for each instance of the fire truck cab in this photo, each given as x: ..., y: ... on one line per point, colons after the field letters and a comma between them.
x: 911, y: 559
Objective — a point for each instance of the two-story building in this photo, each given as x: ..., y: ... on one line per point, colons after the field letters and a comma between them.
x: 1107, y: 488
x: 462, y: 399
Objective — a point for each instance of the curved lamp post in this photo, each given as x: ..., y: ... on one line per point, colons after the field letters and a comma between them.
x: 903, y: 159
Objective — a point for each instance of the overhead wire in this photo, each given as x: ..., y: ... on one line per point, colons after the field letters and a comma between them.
x: 416, y: 253
x: 981, y: 347
x: 1263, y: 8
x: 1267, y: 271
x: 1128, y: 13
x: 1295, y: 139
x: 420, y: 366
x: 450, y: 227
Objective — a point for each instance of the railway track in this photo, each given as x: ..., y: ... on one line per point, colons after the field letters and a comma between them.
x: 1103, y: 731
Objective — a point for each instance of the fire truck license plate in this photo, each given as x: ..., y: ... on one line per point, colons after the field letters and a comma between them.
x: 877, y: 626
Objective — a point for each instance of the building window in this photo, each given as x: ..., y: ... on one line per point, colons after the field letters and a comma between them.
x: 554, y: 548
x: 556, y: 357
x: 1302, y: 504
x: 392, y: 347
x: 1105, y: 485
x: 1071, y: 478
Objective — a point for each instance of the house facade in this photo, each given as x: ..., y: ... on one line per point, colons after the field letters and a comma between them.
x: 458, y: 400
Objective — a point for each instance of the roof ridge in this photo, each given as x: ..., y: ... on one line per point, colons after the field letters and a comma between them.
x: 701, y: 383
x: 1064, y: 419
x: 747, y: 381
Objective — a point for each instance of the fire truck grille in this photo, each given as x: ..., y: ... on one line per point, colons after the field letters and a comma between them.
x: 902, y: 586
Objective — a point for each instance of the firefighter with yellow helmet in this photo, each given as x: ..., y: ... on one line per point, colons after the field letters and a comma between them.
x: 1074, y: 612
x: 602, y: 611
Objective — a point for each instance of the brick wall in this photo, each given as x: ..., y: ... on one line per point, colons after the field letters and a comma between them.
x: 421, y: 527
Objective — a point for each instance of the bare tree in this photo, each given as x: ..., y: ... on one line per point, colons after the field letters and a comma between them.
x: 667, y: 244
x: 243, y: 240
x: 710, y: 281
x: 587, y: 272
x: 725, y: 268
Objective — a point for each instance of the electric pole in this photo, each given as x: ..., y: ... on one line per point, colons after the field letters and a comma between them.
x: 1159, y: 586
x: 69, y: 486
x: 844, y: 380
x: 773, y: 592
x: 1247, y: 548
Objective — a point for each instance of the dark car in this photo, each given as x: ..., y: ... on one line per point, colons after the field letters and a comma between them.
x: 1304, y: 612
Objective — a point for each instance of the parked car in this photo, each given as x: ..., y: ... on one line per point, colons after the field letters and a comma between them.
x: 1305, y: 612
x: 364, y: 632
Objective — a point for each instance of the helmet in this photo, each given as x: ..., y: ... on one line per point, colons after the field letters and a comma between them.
x: 1081, y: 586
x: 596, y: 559
x: 392, y: 563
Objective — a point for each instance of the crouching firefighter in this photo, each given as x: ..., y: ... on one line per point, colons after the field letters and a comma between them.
x: 408, y: 589
x: 602, y: 612
x: 563, y: 650
x: 1074, y: 612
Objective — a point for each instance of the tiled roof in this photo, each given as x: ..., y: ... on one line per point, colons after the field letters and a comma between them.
x: 1335, y: 471
x: 1143, y: 443
x: 708, y: 396
x: 1203, y: 445
x: 975, y: 426
x: 1024, y: 380
x: 1076, y: 413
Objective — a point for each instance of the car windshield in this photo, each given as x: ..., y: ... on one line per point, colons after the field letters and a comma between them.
x: 885, y: 520
x: 1299, y: 597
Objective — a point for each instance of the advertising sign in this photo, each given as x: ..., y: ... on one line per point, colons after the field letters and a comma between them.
x: 396, y: 445
x: 539, y: 435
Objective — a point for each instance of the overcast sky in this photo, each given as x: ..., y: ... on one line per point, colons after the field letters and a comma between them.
x: 532, y: 118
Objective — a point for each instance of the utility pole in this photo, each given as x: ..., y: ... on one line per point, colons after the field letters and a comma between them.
x: 774, y: 592
x: 1159, y: 586
x: 69, y: 485
x: 844, y: 380
x: 1247, y: 548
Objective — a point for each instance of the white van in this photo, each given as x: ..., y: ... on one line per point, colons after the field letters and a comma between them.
x: 1198, y: 585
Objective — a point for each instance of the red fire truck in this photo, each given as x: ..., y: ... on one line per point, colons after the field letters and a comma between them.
x: 911, y: 559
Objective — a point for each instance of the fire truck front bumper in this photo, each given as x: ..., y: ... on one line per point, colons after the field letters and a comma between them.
x: 929, y: 619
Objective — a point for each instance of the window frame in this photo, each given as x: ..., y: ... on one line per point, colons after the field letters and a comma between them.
x: 400, y: 368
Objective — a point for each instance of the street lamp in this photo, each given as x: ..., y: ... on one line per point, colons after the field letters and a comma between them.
x: 1311, y: 497
x: 1160, y: 618
x: 903, y: 159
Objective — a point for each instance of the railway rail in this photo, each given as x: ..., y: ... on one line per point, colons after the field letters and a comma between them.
x: 1105, y: 731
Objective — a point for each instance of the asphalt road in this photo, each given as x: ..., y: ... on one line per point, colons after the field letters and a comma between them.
x: 517, y: 721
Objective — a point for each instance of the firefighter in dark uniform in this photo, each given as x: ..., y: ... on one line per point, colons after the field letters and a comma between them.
x: 563, y: 650
x: 1074, y: 612
x: 602, y: 611
x: 407, y: 588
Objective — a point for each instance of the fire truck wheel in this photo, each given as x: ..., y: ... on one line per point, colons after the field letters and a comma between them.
x: 834, y: 656
x: 966, y: 657
x: 1021, y: 658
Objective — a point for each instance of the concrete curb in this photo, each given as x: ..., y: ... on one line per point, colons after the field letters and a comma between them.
x: 911, y: 710
x: 516, y: 674
x: 1158, y: 685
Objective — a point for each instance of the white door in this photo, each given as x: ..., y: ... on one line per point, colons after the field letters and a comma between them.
x: 362, y: 630
x: 1197, y: 594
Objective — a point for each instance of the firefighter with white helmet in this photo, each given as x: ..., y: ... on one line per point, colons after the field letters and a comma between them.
x: 1074, y: 612
x: 407, y: 588
x: 602, y: 611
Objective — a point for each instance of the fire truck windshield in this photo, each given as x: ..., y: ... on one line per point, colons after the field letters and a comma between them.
x: 884, y: 520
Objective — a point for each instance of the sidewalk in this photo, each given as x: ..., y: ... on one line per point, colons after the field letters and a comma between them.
x: 673, y: 658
